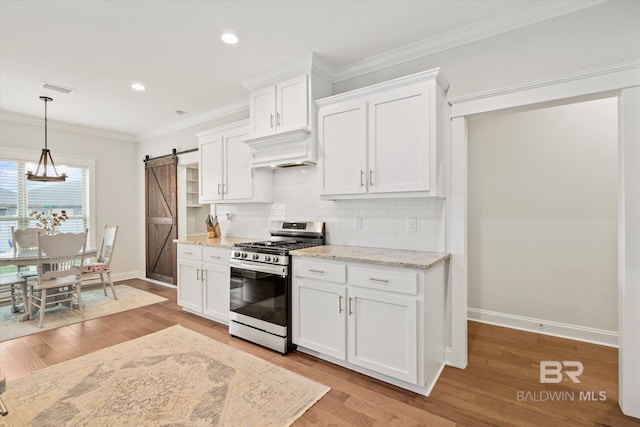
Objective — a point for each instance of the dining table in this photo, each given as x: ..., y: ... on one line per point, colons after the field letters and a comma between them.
x: 30, y: 257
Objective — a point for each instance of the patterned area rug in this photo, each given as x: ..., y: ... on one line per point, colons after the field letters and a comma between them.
x: 96, y: 305
x: 175, y: 377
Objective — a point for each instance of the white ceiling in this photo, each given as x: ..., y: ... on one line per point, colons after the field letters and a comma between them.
x: 99, y: 48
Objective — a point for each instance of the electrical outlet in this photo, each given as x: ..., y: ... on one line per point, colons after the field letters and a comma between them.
x: 412, y: 225
x: 357, y: 223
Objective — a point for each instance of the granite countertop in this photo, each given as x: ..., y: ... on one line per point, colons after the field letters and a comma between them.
x: 380, y: 256
x: 222, y: 242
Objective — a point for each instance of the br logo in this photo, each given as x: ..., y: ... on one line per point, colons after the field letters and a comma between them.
x: 553, y: 371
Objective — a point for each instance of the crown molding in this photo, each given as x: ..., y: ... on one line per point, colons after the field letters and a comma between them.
x: 309, y: 63
x: 590, y: 84
x: 505, y: 22
x: 600, y: 71
x: 30, y: 120
x: 236, y: 107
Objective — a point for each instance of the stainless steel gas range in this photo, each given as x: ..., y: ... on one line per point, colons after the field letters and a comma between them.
x: 260, y: 293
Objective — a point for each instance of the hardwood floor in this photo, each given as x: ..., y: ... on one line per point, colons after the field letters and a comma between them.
x: 500, y: 386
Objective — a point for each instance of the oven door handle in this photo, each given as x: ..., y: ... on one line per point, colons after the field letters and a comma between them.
x: 257, y: 266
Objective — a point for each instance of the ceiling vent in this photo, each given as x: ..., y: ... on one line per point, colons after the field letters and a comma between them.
x: 57, y: 88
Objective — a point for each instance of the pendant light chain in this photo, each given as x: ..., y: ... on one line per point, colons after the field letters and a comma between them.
x: 45, y: 157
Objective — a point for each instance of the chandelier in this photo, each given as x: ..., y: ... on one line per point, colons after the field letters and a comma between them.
x: 46, y: 164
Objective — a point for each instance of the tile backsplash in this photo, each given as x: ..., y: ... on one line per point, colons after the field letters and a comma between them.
x: 370, y: 223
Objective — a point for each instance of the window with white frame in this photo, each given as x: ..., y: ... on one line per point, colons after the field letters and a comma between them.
x: 19, y: 197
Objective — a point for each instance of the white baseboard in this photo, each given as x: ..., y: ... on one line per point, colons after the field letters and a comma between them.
x: 128, y: 275
x: 544, y: 327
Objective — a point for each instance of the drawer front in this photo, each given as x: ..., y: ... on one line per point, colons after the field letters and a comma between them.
x: 216, y: 255
x: 392, y: 280
x: 186, y: 251
x: 330, y: 272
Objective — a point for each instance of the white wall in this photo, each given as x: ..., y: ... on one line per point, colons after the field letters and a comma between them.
x: 116, y: 198
x: 543, y: 214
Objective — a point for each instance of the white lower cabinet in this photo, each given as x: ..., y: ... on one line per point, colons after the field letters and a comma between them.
x: 203, y: 281
x: 386, y: 322
x: 382, y: 333
x: 319, y: 316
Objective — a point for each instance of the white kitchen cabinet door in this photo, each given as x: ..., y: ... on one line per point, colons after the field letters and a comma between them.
x: 318, y: 311
x: 342, y: 134
x: 382, y: 333
x: 399, y: 137
x: 210, y: 171
x: 262, y: 111
x: 292, y: 105
x: 216, y: 291
x: 190, y: 285
x: 238, y: 171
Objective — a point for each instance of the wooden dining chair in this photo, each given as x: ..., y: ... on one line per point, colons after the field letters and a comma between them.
x: 59, y: 280
x: 101, y: 266
x: 25, y: 240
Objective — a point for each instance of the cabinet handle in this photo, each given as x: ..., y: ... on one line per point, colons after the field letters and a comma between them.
x: 361, y: 178
x: 370, y: 176
x: 219, y: 188
x: 214, y: 257
x: 339, y: 303
x: 224, y: 189
x: 373, y: 279
x: 316, y: 271
x: 188, y: 253
x: 277, y: 119
x: 203, y: 275
x: 198, y: 274
x: 271, y: 119
x: 350, y: 311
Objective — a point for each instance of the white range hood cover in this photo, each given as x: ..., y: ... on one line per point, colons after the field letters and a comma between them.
x: 291, y: 148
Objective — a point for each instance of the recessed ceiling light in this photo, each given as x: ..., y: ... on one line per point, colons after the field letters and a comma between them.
x: 229, y: 38
x: 138, y: 86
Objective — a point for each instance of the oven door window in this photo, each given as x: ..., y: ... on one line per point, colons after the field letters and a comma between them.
x: 259, y: 295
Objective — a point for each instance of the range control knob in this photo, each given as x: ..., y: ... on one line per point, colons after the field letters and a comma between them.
x: 256, y: 256
x: 236, y: 254
x: 267, y: 258
x: 275, y: 259
x: 244, y: 255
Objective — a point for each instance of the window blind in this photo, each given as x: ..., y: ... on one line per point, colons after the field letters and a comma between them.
x: 19, y: 197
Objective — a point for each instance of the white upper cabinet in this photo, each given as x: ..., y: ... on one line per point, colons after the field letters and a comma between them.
x: 279, y: 107
x: 225, y: 169
x: 342, y: 128
x: 262, y: 110
x: 385, y: 140
x: 399, y: 140
x: 282, y: 113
